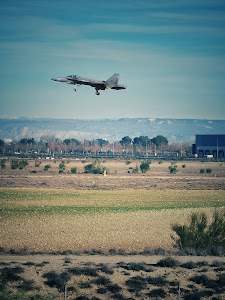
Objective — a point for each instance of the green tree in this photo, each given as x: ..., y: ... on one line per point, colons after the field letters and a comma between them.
x: 28, y: 141
x: 142, y: 141
x: 102, y: 142
x: 159, y: 140
x: 69, y: 141
x: 125, y: 141
x: 144, y: 166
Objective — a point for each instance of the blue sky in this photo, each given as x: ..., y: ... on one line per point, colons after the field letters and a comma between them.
x: 169, y: 54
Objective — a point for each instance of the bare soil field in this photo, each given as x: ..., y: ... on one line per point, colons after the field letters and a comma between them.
x: 158, y: 178
x: 118, y: 213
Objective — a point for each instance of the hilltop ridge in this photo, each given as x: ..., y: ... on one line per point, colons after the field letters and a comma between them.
x: 109, y: 129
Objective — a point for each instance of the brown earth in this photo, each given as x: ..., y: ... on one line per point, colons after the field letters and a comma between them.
x: 158, y: 178
x: 129, y: 231
x: 109, y: 277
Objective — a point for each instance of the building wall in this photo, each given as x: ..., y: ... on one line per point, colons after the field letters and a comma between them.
x: 210, y: 144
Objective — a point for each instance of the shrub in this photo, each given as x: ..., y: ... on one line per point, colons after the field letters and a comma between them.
x: 102, y: 280
x: 168, y: 262
x: 61, y: 171
x: 37, y: 164
x: 199, y: 235
x: 47, y: 167
x: 189, y: 265
x: 135, y: 170
x: 74, y: 170
x: 14, y: 164
x: 95, y: 168
x: 56, y: 280
x: 204, y: 280
x: 113, y: 288
x: 136, y: 266
x: 34, y: 171
x: 158, y: 281
x: 101, y: 290
x: 128, y: 162
x: 184, y: 166
x: 144, y: 166
x: 202, y: 171
x: 3, y: 163
x: 11, y: 274
x: 61, y: 166
x: 27, y: 285
x: 136, y: 284
x: 105, y: 269
x: 85, y: 285
x: 173, y: 169
x: 208, y: 171
x: 157, y: 293
x: 83, y: 271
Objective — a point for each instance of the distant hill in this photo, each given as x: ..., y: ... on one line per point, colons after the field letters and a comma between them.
x: 109, y: 129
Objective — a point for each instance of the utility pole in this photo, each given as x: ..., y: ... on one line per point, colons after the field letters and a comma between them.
x: 181, y: 150
x: 146, y: 147
x: 217, y: 149
x: 113, y: 145
x: 65, y: 292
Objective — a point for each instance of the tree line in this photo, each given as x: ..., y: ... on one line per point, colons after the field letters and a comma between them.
x: 54, y: 146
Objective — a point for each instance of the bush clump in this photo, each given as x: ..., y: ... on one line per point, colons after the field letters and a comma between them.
x: 168, y: 262
x: 16, y: 163
x: 135, y: 170
x: 199, y: 235
x: 136, y: 284
x: 95, y: 168
x: 74, y: 170
x: 3, y: 163
x: 144, y: 166
x: 157, y: 293
x: 173, y: 169
x: 47, y: 167
x: 56, y: 280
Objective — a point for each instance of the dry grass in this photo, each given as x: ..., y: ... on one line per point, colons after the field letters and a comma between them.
x: 85, y: 276
x: 157, y: 179
x: 53, y: 212
x: 57, y: 220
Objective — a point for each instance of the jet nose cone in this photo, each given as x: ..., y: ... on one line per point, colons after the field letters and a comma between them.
x: 54, y: 79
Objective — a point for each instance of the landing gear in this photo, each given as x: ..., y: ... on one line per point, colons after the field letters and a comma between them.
x: 97, y: 92
x: 74, y: 89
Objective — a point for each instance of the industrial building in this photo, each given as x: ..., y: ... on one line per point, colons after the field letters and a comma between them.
x: 209, y: 145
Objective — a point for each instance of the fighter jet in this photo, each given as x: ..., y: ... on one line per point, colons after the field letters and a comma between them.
x: 111, y: 83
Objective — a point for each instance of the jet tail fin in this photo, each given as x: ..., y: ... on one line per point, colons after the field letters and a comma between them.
x: 112, y: 80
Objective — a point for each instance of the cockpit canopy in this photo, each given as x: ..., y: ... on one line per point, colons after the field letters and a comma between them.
x: 72, y: 76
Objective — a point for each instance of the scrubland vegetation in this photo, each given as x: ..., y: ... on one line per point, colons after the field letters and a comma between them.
x: 67, y: 207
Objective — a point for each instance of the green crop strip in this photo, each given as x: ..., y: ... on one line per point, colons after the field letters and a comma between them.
x: 36, y: 201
